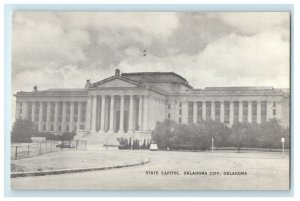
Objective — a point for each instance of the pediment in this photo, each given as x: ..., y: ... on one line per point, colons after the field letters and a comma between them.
x: 115, y: 83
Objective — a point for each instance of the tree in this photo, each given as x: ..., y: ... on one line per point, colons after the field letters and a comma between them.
x: 129, y: 144
x: 22, y: 131
x: 67, y: 136
x: 217, y: 130
x: 238, y: 135
x: 144, y: 146
x: 163, y: 133
x: 286, y: 136
x: 271, y: 133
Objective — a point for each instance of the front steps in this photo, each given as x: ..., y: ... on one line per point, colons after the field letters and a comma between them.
x: 110, y: 139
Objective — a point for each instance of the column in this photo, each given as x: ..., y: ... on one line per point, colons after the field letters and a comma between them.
x: 25, y: 110
x: 213, y: 110
x: 259, y: 112
x: 64, y: 112
x: 279, y: 111
x: 88, y: 113
x: 121, y: 130
x: 111, y: 114
x: 194, y: 112
x: 145, y: 113
x: 222, y: 111
x: 158, y: 110
x: 41, y: 116
x: 231, y: 112
x: 72, y: 116
x: 102, y: 126
x: 203, y: 110
x: 140, y: 112
x: 48, y: 116
x: 240, y: 111
x: 185, y: 112
x: 130, y: 122
x: 33, y: 112
x: 269, y: 110
x: 94, y: 113
x: 250, y: 111
x: 55, y: 115
x: 79, y: 115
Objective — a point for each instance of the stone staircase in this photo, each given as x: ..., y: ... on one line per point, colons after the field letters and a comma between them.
x: 102, y: 139
x: 108, y: 139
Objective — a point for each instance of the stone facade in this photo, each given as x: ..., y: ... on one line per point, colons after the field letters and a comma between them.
x: 130, y: 104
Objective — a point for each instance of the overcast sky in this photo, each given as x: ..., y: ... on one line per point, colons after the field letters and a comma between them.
x: 62, y: 50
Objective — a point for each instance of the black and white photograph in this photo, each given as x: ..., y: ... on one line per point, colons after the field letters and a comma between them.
x: 150, y: 101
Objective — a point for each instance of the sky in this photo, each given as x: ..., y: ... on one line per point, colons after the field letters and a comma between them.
x: 64, y: 49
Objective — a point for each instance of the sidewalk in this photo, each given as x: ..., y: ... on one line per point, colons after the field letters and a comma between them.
x: 65, y: 171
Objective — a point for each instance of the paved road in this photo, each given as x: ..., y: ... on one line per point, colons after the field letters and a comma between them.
x: 178, y: 171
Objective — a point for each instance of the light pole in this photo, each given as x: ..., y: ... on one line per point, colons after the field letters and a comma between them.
x: 212, y: 144
x: 282, y: 142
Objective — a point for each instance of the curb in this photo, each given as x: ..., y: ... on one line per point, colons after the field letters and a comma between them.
x: 65, y: 171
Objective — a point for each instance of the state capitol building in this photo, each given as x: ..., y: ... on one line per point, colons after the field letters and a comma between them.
x: 130, y: 104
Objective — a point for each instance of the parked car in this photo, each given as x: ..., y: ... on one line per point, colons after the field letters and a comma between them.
x: 153, y: 147
x: 65, y: 145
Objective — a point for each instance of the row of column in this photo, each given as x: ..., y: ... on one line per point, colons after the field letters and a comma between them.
x: 270, y: 113
x: 107, y: 115
x: 24, y: 111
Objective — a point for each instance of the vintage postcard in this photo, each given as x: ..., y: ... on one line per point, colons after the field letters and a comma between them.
x: 150, y: 101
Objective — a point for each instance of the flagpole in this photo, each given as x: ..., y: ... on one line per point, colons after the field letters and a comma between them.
x: 145, y: 59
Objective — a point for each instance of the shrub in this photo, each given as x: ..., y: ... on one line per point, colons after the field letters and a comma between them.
x: 22, y: 131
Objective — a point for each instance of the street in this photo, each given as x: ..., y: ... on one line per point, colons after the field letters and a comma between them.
x: 170, y: 170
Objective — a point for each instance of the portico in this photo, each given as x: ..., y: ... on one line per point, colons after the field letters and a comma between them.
x: 118, y: 113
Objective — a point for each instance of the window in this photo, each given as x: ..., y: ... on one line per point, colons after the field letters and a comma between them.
x: 180, y: 104
x: 68, y: 112
x: 44, y: 127
x: 236, y: 111
x: 180, y: 111
x: 37, y: 112
x: 44, y: 110
x: 274, y: 104
x: 169, y: 106
x: 169, y: 116
x: 59, y: 128
x: 179, y: 120
x: 254, y: 112
x: 199, y: 110
x: 245, y: 111
x: 29, y: 111
x: 263, y: 111
x: 83, y: 108
x: 67, y: 128
x: 52, y: 128
x: 75, y: 112
x: 274, y: 112
x: 52, y: 112
x: 226, y: 112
